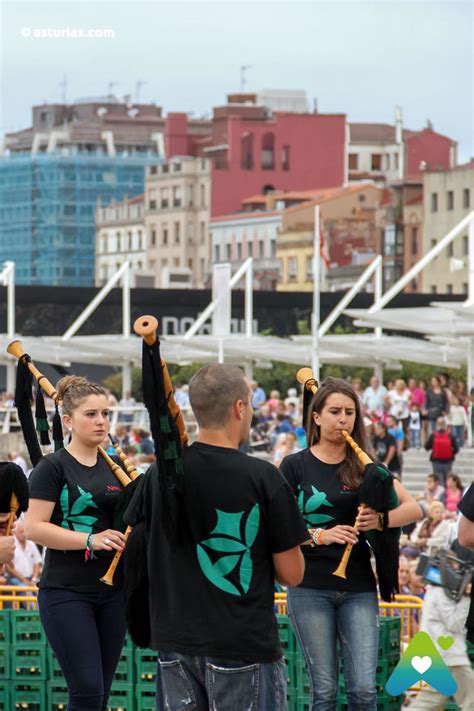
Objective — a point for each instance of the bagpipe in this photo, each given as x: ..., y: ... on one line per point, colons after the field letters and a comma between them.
x: 170, y: 437
x: 377, y: 492
x: 26, y: 372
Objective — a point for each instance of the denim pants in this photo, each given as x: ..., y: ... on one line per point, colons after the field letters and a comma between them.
x: 205, y: 683
x: 458, y: 433
x: 86, y: 631
x: 321, y: 617
x: 415, y: 438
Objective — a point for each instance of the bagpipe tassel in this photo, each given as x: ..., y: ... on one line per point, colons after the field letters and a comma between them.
x: 23, y: 398
x: 42, y: 424
x: 58, y: 437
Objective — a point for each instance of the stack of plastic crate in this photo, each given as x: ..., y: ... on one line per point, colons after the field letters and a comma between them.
x: 28, y: 661
x: 145, y: 674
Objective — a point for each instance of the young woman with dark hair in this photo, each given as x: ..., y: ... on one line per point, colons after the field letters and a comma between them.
x: 73, y: 496
x: 325, y: 609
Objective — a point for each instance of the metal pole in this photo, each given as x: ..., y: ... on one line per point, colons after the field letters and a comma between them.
x: 249, y: 300
x: 220, y: 352
x: 315, y: 318
x: 470, y: 250
x: 126, y: 367
x: 9, y: 282
x: 98, y: 298
x: 347, y: 298
x: 419, y: 266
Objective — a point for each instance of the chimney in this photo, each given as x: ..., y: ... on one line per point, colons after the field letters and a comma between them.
x: 398, y: 124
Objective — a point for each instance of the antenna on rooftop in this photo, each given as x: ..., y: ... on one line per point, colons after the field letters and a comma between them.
x: 63, y: 85
x: 138, y: 86
x: 243, y: 70
x: 110, y: 89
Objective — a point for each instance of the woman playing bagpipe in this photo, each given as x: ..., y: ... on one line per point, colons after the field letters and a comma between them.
x: 338, y: 602
x: 73, y: 496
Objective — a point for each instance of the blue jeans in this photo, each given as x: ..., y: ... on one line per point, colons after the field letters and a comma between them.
x: 415, y: 438
x: 86, y: 631
x: 321, y: 617
x: 202, y: 683
x: 458, y: 433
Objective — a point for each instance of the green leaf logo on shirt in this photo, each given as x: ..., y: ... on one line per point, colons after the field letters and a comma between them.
x: 228, y: 550
x: 74, y: 518
x: 312, y: 504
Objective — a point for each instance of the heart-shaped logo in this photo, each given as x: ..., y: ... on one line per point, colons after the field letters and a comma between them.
x: 421, y: 664
x: 445, y: 642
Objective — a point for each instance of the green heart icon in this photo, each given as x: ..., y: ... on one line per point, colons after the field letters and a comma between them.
x: 445, y: 642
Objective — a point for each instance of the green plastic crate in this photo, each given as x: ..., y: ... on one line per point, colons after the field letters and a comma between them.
x: 29, y: 662
x: 5, y: 626
x: 145, y: 665
x: 125, y: 672
x: 145, y: 696
x: 54, y: 670
x: 291, y: 696
x: 302, y: 703
x: 5, y: 661
x: 286, y: 634
x: 26, y: 627
x: 28, y: 696
x: 57, y: 695
x: 5, y: 696
x: 121, y: 697
x: 389, y: 635
x: 384, y: 703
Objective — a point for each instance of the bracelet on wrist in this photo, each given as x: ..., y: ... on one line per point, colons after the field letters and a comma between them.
x: 316, y: 536
x: 89, y: 552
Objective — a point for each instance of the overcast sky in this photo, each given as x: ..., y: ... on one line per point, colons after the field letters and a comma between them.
x: 359, y: 58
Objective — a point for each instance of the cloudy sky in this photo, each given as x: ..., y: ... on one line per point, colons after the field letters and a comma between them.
x: 360, y: 58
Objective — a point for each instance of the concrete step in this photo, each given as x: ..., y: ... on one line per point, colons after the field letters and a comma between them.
x: 417, y: 465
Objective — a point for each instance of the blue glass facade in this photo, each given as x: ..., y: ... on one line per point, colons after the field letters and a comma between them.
x: 47, y: 211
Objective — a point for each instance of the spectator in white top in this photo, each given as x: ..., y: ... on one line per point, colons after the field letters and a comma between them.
x: 398, y: 401
x: 126, y: 414
x: 181, y: 396
x: 26, y: 565
x: 458, y: 420
x: 374, y: 398
x: 443, y: 617
x: 18, y: 459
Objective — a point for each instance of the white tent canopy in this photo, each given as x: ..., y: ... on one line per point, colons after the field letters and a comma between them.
x: 351, y: 349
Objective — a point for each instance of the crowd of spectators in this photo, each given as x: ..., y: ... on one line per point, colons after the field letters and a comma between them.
x: 398, y: 416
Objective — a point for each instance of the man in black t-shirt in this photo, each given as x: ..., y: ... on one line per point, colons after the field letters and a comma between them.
x: 385, y: 448
x: 211, y: 598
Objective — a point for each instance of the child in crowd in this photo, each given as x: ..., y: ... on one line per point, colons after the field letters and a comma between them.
x: 415, y: 426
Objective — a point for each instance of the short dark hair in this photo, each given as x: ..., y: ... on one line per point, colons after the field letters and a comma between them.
x: 434, y: 476
x: 213, y: 390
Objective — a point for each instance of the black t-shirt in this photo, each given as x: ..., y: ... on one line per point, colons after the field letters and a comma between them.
x: 466, y: 505
x: 382, y: 445
x: 85, y: 500
x: 326, y: 502
x: 214, y: 594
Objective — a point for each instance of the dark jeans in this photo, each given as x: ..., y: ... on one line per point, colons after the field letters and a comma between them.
x: 203, y: 683
x: 86, y: 632
x: 442, y: 468
x: 321, y: 617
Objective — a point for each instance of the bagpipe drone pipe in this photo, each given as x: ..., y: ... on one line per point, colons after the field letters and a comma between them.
x: 377, y: 492
x: 169, y: 436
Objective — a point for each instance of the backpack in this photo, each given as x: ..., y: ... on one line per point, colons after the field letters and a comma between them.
x: 442, y: 446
